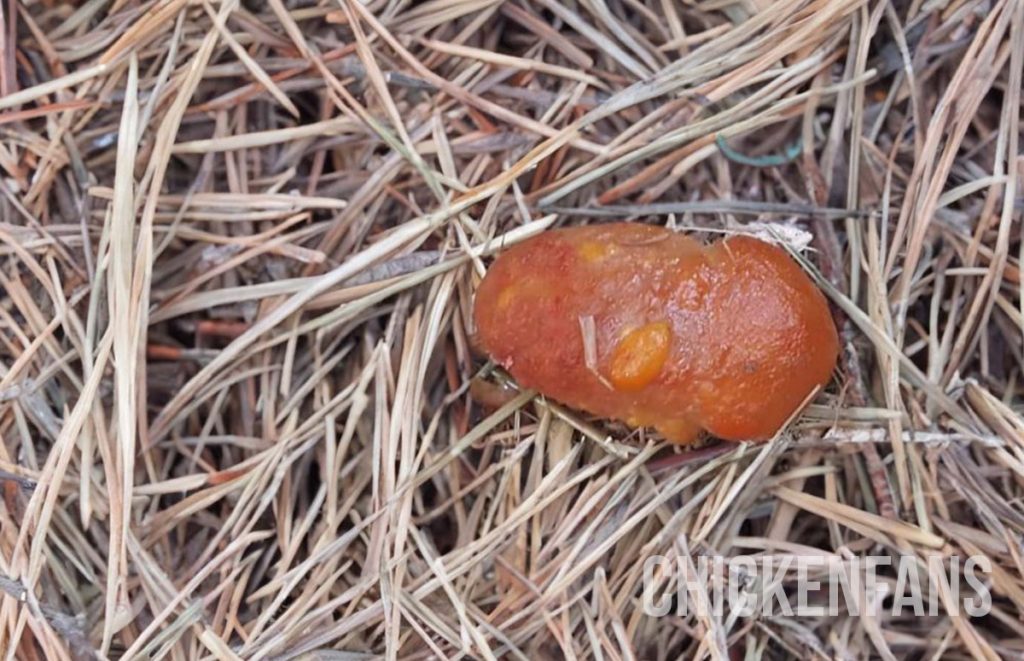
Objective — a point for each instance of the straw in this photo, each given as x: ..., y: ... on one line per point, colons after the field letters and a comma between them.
x: 243, y: 410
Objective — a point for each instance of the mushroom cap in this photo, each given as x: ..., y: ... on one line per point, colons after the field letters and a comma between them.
x: 644, y: 325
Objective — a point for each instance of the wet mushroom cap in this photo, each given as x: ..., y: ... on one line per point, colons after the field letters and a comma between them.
x: 644, y: 325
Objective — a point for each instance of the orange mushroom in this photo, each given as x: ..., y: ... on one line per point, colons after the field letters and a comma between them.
x: 644, y: 325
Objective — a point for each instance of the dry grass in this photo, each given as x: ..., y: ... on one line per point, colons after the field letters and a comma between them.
x: 241, y: 415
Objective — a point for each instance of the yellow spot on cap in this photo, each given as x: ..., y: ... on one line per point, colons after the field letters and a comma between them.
x: 526, y: 288
x: 505, y: 296
x: 594, y: 251
x: 638, y: 358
